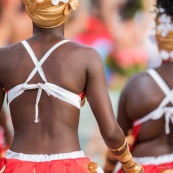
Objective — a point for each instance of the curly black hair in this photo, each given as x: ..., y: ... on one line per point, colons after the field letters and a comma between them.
x: 167, y: 5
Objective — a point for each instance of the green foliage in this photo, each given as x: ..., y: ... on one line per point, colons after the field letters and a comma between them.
x: 124, y: 71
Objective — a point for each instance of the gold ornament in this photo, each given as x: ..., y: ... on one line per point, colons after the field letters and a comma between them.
x: 72, y: 5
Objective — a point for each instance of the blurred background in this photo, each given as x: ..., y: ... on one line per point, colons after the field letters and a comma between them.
x: 122, y: 31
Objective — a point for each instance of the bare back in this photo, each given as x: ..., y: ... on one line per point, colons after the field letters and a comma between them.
x: 140, y: 97
x: 65, y: 68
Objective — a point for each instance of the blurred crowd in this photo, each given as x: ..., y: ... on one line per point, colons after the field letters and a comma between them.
x: 122, y: 31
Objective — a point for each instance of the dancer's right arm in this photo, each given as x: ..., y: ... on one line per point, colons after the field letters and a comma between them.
x: 100, y: 103
x: 99, y: 100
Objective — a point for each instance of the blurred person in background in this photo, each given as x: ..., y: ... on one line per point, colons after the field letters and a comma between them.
x: 96, y: 34
x: 145, y: 110
x: 128, y: 30
x: 5, y: 27
x: 150, y: 42
x: 46, y: 96
x: 15, y: 23
x: 20, y: 23
x: 76, y: 19
x: 5, y: 132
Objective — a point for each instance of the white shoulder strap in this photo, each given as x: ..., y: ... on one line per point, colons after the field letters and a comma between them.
x: 161, y: 83
x: 161, y: 109
x: 34, y: 59
x: 51, y: 50
x: 43, y: 59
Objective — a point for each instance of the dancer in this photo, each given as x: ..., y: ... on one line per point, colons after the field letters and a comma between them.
x: 46, y: 77
x: 145, y: 110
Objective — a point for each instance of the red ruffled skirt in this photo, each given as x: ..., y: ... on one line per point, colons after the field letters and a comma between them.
x: 160, y: 164
x: 65, y: 165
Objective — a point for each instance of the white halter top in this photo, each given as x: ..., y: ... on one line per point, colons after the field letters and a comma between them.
x: 163, y: 109
x: 49, y: 88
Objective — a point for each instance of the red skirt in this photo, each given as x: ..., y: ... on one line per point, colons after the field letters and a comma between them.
x: 160, y: 164
x: 65, y: 165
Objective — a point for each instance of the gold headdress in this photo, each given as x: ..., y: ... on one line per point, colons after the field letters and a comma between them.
x: 49, y: 13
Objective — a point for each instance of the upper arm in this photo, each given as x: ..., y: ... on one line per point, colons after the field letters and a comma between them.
x: 2, y: 92
x: 97, y: 93
x: 129, y: 106
x: 123, y: 119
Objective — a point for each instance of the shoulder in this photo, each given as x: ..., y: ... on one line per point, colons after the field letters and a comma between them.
x: 139, y: 86
x: 4, y: 51
x: 7, y: 54
x: 85, y: 50
x: 85, y: 53
x: 8, y: 49
x: 141, y: 95
x: 138, y: 82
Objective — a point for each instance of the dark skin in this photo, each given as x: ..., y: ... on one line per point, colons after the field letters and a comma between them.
x: 140, y: 96
x: 71, y: 66
x: 3, y: 124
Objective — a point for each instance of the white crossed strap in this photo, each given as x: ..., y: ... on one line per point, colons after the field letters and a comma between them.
x: 47, y: 87
x: 39, y: 69
x: 162, y: 108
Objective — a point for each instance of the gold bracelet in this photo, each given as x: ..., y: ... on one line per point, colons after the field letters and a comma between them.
x: 125, y: 157
x: 120, y: 148
x: 128, y: 163
x: 134, y: 169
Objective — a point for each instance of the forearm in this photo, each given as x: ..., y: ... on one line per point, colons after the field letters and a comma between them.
x: 110, y: 162
x: 112, y: 134
x: 123, y: 155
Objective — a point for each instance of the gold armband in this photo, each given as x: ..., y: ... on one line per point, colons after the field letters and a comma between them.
x: 128, y: 164
x: 120, y: 148
x: 134, y: 169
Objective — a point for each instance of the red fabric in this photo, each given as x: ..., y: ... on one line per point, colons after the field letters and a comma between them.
x: 95, y: 30
x: 156, y: 168
x: 58, y: 166
x: 135, y: 133
x: 149, y: 168
x: 3, y: 147
x: 82, y: 95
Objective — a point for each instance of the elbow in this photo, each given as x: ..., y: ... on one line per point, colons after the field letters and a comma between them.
x: 113, y: 137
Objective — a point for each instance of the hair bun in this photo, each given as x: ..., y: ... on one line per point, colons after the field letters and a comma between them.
x: 166, y: 5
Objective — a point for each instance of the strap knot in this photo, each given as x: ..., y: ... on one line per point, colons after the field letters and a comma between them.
x: 37, y: 102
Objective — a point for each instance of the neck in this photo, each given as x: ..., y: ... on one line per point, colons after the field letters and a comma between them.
x: 57, y: 32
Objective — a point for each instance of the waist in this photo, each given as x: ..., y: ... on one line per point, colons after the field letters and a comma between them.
x: 44, y: 157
